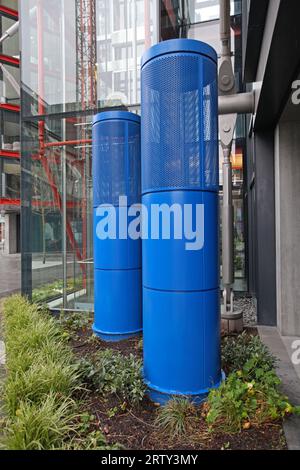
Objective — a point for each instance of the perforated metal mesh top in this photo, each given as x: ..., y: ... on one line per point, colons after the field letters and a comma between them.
x: 179, y: 123
x: 116, y: 161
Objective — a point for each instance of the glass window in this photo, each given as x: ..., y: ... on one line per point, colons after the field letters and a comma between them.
x: 9, y: 81
x: 118, y: 76
x: 10, y: 46
x: 10, y: 178
x: 74, y: 62
x: 119, y: 14
x: 10, y: 4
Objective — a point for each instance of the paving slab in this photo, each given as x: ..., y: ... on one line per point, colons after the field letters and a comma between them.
x: 10, y: 274
x: 290, y: 381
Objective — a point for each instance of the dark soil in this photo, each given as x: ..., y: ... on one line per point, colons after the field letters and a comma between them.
x: 135, y: 428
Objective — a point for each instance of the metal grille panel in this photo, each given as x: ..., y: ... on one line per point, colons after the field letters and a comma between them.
x: 180, y: 124
x: 117, y: 162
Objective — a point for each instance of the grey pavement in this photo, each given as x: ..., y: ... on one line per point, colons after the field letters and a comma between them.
x: 10, y: 274
x: 290, y: 381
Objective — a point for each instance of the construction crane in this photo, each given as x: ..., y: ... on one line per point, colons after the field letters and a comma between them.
x: 86, y: 53
x: 86, y: 87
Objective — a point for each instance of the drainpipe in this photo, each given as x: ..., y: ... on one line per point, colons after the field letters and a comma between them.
x: 227, y: 126
x: 230, y: 104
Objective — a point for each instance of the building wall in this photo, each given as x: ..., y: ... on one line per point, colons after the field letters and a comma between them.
x: 287, y: 178
x: 10, y: 243
x: 9, y: 127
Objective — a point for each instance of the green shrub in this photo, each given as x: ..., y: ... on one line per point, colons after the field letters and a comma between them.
x: 20, y: 361
x: 110, y: 372
x: 42, y: 376
x: 54, y: 289
x: 72, y: 322
x: 238, y: 350
x: 42, y: 426
x: 248, y: 397
x: 94, y: 440
x: 175, y: 417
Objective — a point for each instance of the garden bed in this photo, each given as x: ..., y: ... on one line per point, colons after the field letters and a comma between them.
x: 66, y: 389
x: 134, y: 428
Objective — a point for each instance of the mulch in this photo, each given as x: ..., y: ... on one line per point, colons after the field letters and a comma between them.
x: 134, y: 428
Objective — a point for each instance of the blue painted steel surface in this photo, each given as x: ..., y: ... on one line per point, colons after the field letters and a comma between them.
x: 117, y: 260
x: 179, y: 45
x: 180, y: 166
x: 167, y: 264
x: 117, y: 165
x: 181, y: 341
x: 108, y: 115
x: 118, y: 304
x: 118, y: 253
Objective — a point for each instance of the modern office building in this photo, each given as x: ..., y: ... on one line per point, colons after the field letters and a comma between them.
x: 80, y: 57
x: 9, y: 130
x: 271, y: 65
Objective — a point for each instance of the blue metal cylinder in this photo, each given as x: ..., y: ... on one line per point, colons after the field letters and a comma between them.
x: 180, y: 184
x: 117, y: 257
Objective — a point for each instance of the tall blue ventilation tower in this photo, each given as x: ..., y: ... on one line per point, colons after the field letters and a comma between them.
x: 117, y: 258
x: 179, y: 129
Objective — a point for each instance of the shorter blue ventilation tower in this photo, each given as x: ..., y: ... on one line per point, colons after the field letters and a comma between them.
x: 180, y: 180
x: 117, y: 258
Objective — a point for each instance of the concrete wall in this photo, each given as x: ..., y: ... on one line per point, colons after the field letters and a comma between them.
x: 287, y: 202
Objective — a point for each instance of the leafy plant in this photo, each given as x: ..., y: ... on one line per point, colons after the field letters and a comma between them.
x: 175, y: 417
x: 238, y: 350
x: 42, y: 426
x: 110, y: 372
x: 75, y: 321
x: 42, y: 376
x: 54, y: 289
x: 94, y: 440
x: 248, y: 397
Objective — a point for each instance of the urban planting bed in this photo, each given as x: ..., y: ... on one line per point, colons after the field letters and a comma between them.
x: 66, y: 389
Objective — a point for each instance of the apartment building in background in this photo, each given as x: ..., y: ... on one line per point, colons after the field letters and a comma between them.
x: 10, y: 168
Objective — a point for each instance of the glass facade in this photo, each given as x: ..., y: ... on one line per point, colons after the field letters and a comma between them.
x: 9, y: 125
x: 80, y: 57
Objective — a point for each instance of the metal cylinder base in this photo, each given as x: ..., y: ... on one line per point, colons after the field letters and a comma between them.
x: 115, y: 337
x: 118, y: 304
x: 181, y: 343
x: 163, y: 396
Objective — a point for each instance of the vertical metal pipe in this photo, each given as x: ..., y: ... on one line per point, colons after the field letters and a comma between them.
x: 147, y: 23
x: 227, y: 126
x: 181, y: 355
x: 225, y: 33
x: 134, y: 46
x: 227, y: 224
x: 64, y: 162
x: 156, y: 21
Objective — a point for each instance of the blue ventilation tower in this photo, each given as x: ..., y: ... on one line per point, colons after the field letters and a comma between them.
x: 180, y: 184
x: 117, y: 258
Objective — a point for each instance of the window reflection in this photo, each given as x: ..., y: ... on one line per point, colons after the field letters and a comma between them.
x: 133, y: 30
x: 74, y: 61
